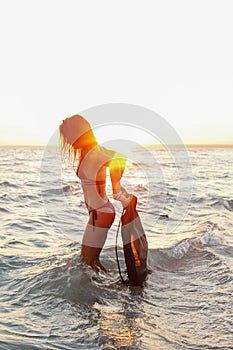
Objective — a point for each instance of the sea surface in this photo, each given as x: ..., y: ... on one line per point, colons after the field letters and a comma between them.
x: 50, y: 300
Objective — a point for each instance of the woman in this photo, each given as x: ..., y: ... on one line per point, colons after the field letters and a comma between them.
x: 77, y: 138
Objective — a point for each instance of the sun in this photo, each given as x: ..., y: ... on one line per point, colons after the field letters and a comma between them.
x: 117, y: 134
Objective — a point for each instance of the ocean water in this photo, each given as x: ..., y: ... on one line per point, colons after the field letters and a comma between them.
x: 50, y: 300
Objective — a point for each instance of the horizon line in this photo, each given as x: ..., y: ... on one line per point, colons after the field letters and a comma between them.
x: 143, y: 144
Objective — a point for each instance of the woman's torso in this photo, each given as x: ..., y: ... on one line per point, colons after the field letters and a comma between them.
x: 92, y: 173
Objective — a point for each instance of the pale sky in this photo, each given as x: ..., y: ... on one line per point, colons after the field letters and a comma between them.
x: 61, y: 57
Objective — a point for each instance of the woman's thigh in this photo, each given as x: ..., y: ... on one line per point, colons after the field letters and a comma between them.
x: 97, y: 228
x: 102, y: 217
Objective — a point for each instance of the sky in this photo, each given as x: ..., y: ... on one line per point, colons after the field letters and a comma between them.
x: 62, y: 57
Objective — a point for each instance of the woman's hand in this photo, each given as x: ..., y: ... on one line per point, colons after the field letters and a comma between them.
x: 119, y: 191
x: 120, y: 194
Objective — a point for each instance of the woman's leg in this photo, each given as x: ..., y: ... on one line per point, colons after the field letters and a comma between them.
x: 95, y: 236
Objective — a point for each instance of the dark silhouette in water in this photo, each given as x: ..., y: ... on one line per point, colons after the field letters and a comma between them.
x: 135, y: 244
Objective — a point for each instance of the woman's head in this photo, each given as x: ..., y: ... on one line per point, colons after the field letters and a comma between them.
x: 75, y: 134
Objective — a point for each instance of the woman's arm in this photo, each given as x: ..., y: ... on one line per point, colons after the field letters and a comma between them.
x: 117, y: 167
x: 116, y: 163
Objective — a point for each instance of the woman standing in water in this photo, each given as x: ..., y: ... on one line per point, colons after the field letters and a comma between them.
x: 77, y: 138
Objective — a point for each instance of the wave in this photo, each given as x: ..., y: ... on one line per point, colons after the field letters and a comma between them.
x: 60, y: 190
x: 187, y: 245
x: 5, y: 210
x: 23, y: 197
x: 228, y: 204
x: 190, y: 250
x: 63, y: 276
x: 67, y: 278
x: 223, y: 203
x: 8, y: 184
x: 214, y: 201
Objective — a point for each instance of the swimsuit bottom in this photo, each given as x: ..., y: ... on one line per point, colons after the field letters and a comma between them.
x: 94, y: 212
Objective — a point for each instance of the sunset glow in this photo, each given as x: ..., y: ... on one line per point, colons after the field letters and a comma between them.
x: 175, y: 68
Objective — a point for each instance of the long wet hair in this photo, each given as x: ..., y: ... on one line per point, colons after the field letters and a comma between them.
x: 75, y: 134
